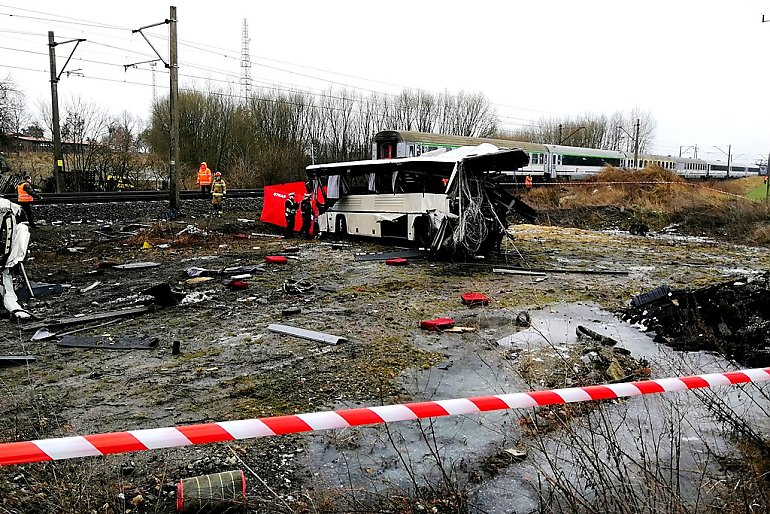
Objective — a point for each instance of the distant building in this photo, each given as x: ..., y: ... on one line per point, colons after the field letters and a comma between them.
x: 22, y: 143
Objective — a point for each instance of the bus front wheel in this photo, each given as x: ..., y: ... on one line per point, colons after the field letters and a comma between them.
x: 423, y: 232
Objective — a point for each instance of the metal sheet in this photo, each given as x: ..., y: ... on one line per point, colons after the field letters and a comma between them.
x: 306, y: 334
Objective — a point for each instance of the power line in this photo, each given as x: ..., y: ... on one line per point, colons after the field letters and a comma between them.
x: 59, y: 17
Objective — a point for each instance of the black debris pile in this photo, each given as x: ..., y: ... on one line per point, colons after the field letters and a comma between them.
x: 731, y: 318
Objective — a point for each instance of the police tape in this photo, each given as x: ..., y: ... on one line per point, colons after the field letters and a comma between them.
x: 42, y: 450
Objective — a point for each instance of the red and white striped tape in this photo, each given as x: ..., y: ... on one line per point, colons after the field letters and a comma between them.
x: 136, y: 440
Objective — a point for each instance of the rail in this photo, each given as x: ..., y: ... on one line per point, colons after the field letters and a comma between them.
x: 130, y: 196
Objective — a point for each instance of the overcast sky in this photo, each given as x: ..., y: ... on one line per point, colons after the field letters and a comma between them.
x: 701, y: 68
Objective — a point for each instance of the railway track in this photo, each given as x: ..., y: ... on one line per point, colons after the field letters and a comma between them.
x: 130, y: 196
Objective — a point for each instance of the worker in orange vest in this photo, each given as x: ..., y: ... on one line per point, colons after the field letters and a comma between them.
x: 204, y: 179
x: 528, y: 182
x: 26, y: 194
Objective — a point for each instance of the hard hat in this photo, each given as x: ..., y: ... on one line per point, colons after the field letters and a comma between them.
x: 218, y: 174
x: 203, y: 164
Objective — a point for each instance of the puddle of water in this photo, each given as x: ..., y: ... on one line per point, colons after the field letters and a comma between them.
x: 381, y: 460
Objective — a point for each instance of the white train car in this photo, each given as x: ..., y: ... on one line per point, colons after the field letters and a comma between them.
x: 572, y: 162
x: 548, y: 161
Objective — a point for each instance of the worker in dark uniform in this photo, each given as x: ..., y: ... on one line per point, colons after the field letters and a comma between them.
x: 306, y: 210
x: 26, y: 194
x: 290, y: 211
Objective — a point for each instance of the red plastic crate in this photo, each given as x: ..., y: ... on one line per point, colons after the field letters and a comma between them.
x: 437, y: 324
x: 473, y: 299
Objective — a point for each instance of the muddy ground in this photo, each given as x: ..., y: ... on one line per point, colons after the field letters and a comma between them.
x: 231, y: 367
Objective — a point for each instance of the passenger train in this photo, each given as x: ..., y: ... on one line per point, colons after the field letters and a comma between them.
x: 547, y: 161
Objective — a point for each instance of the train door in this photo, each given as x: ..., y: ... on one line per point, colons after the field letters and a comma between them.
x: 386, y: 150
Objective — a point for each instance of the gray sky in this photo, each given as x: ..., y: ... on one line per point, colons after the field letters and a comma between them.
x: 699, y: 67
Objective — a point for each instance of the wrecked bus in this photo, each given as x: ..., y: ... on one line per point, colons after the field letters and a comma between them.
x: 444, y: 201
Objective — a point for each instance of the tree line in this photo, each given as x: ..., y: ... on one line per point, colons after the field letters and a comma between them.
x: 273, y: 135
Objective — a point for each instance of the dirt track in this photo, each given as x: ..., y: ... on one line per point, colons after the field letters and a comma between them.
x: 231, y: 367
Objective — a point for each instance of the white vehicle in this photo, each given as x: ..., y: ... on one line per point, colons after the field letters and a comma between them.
x: 549, y: 161
x: 442, y: 200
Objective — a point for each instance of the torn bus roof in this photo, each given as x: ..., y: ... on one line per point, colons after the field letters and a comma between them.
x: 484, y: 157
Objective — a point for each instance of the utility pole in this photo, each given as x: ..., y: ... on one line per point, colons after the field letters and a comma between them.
x: 559, y: 131
x: 58, y: 156
x: 173, y: 97
x: 173, y: 191
x: 729, y: 155
x: 636, y: 146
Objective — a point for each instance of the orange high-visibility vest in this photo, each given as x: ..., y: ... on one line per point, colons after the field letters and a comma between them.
x: 204, y: 176
x: 23, y: 195
x: 528, y: 182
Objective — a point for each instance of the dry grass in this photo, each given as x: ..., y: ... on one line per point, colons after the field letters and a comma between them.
x: 658, y: 197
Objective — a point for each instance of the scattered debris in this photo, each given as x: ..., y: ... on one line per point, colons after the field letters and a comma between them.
x: 39, y: 289
x: 146, y: 245
x: 276, y: 259
x: 306, y: 334
x: 137, y: 265
x: 291, y: 311
x: 16, y: 360
x: 163, y: 295
x: 198, y: 280
x: 236, y: 284
x: 732, y: 318
x: 474, y: 299
x: 563, y: 270
x: 190, y: 229
x: 106, y: 342
x: 63, y: 322
x: 257, y: 234
x: 398, y: 261
x: 523, y: 319
x: 587, y: 333
x: 241, y: 236
x: 519, y: 272
x: 437, y: 324
x: 291, y: 249
x: 293, y: 286
x: 219, y: 492
x: 106, y: 264
x: 384, y: 256
x: 89, y: 288
x: 444, y: 365
x: 196, y: 297
x: 176, y: 348
x: 460, y: 330
x: 650, y: 296
x: 201, y: 272
x: 43, y: 333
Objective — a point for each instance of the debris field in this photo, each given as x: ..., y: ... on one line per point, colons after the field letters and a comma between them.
x: 145, y: 322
